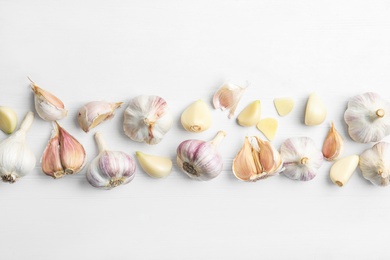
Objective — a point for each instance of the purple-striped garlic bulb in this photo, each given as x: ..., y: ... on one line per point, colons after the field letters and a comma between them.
x: 201, y: 160
x: 110, y: 168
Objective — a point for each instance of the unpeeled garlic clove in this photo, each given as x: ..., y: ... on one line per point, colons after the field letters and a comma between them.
x: 154, y: 166
x: 96, y: 112
x: 268, y: 126
x: 227, y: 97
x: 284, y: 105
x: 374, y: 164
x: 342, y: 170
x: 8, y: 120
x: 196, y: 117
x: 48, y: 106
x: 315, y: 112
x: 333, y: 144
x: 250, y: 115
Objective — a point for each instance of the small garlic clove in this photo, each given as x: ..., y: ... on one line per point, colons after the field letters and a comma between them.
x: 154, y: 166
x: 51, y: 160
x: 342, y: 170
x: 374, y: 164
x: 94, y: 113
x: 284, y: 105
x: 250, y: 115
x: 268, y: 126
x: 315, y: 112
x: 196, y: 117
x: 227, y: 97
x: 8, y: 120
x: 333, y: 144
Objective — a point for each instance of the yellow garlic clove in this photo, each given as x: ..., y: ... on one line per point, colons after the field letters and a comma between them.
x: 250, y: 115
x: 284, y: 105
x: 333, y: 144
x: 196, y: 117
x: 227, y: 97
x: 8, y: 120
x: 154, y: 166
x: 268, y: 126
x: 342, y: 170
x: 315, y: 112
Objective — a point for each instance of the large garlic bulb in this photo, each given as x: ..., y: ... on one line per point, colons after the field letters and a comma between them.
x: 368, y: 118
x: 147, y: 119
x: 375, y: 164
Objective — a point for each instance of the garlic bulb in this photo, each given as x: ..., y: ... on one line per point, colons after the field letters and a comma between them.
x: 368, y: 118
x: 333, y: 144
x: 375, y: 164
x: 110, y: 168
x: 301, y: 158
x: 48, y: 106
x: 154, y: 166
x: 200, y: 160
x: 227, y: 97
x: 196, y: 117
x: 16, y: 158
x: 63, y: 154
x: 256, y: 160
x: 8, y: 120
x: 147, y: 119
x: 96, y: 112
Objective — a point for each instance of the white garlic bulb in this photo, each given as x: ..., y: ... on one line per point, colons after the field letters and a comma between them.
x: 147, y: 119
x: 16, y: 158
x: 375, y: 164
x: 368, y: 118
x: 110, y: 168
x: 96, y: 112
x: 301, y: 158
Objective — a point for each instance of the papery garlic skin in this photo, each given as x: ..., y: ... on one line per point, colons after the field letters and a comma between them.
x: 374, y: 164
x: 368, y: 118
x: 110, y: 168
x: 333, y: 144
x: 147, y: 119
x: 200, y: 160
x: 16, y: 158
x: 227, y: 97
x: 301, y: 158
x: 96, y: 112
x: 196, y: 117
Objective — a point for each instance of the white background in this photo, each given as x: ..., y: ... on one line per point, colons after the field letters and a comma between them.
x: 184, y: 50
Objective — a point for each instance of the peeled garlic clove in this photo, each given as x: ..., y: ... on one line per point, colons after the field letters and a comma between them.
x: 250, y: 115
x: 200, y: 160
x: 196, y: 117
x: 8, y: 120
x: 147, y: 119
x: 227, y: 97
x: 368, y: 118
x: 342, y: 170
x: 284, y: 105
x: 333, y: 144
x: 301, y: 158
x: 96, y: 112
x: 268, y: 126
x: 155, y: 166
x: 51, y: 159
x: 48, y: 106
x: 315, y: 110
x: 374, y: 164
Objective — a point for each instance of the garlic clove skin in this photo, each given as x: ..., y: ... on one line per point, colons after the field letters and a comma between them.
x: 250, y: 115
x: 147, y: 119
x: 315, y: 112
x: 51, y: 159
x: 342, y: 170
x: 154, y: 166
x: 8, y: 120
x: 374, y: 164
x: 301, y: 158
x: 333, y: 144
x: 284, y: 105
x: 196, y: 117
x: 227, y: 97
x: 368, y: 118
x: 200, y: 160
x: 16, y: 158
x: 96, y: 112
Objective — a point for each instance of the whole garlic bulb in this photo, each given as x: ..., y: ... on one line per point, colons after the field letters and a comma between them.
x: 96, y: 112
x: 301, y: 158
x: 375, y: 164
x: 110, y: 168
x: 16, y: 158
x: 368, y: 118
x: 200, y: 160
x: 147, y: 119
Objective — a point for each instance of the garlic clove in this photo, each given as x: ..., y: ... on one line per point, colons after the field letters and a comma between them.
x: 333, y: 144
x: 227, y: 97
x: 284, y: 105
x: 51, y: 160
x: 8, y: 120
x: 154, y: 166
x: 250, y: 115
x: 315, y: 112
x: 342, y: 170
x: 268, y: 126
x: 94, y: 113
x: 196, y: 117
x: 374, y: 164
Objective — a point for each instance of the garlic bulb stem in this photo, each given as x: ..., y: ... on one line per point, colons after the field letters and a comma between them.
x: 304, y: 160
x: 27, y: 121
x: 380, y: 112
x: 100, y: 142
x: 218, y: 138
